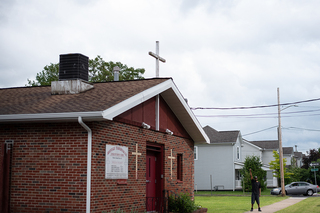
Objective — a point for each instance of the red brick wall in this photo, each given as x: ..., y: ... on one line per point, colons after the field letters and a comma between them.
x: 49, y: 166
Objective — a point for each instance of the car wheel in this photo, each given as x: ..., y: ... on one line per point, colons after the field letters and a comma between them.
x: 309, y: 192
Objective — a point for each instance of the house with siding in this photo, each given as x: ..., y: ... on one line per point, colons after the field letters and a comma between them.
x: 288, y: 154
x: 298, y: 159
x: 267, y: 147
x: 81, y: 147
x: 218, y: 164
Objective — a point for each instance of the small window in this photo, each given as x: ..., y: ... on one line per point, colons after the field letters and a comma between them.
x: 195, y: 153
x: 238, y: 153
x: 238, y: 177
x: 179, y: 167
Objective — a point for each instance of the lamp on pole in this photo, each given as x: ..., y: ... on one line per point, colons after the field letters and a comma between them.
x: 283, y: 192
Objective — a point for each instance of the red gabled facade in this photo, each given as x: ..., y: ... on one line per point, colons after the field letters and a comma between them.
x: 145, y: 112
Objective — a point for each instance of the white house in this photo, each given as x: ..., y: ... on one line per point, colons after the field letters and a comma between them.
x: 264, y: 150
x: 298, y: 159
x: 218, y: 164
x: 288, y: 154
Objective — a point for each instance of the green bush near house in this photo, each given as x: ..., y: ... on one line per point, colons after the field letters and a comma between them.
x: 253, y: 163
x: 182, y: 203
x: 121, y: 211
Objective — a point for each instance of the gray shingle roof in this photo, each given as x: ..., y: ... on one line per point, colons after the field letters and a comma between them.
x: 287, y: 150
x: 298, y: 154
x: 104, y: 102
x: 31, y: 100
x: 271, y: 144
x: 221, y: 136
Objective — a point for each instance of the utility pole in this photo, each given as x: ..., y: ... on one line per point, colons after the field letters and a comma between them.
x: 283, y: 192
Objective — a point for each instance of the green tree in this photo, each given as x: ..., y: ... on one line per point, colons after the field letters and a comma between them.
x: 298, y: 174
x: 48, y: 74
x: 253, y: 163
x: 312, y: 156
x: 275, y: 166
x: 99, y: 71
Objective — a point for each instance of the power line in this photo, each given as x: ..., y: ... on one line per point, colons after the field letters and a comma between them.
x: 288, y: 128
x: 264, y: 115
x: 255, y: 107
x: 260, y: 131
x: 297, y: 128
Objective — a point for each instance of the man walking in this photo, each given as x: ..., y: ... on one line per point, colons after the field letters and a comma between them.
x: 256, y: 191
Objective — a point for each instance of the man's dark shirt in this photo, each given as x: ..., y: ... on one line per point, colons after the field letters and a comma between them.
x: 255, y: 187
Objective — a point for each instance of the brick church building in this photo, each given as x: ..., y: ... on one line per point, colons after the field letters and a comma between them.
x: 81, y: 147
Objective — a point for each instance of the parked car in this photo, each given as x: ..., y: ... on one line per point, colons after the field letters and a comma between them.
x: 297, y: 188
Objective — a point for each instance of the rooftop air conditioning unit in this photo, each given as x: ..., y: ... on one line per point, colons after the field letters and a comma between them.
x: 73, y: 66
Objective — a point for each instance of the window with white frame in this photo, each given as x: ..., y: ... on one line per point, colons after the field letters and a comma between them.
x: 195, y: 153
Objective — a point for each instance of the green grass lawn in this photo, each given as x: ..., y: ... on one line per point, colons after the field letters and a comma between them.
x: 230, y: 201
x: 238, y: 193
x: 310, y: 205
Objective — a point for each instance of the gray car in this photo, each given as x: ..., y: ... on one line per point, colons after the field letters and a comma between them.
x: 297, y: 188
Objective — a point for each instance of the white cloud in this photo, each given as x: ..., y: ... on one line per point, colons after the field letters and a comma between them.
x: 219, y: 53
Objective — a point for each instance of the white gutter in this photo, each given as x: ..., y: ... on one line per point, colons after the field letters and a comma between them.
x: 88, y: 163
x: 233, y: 167
x: 66, y: 116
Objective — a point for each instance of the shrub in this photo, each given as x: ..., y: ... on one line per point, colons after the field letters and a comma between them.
x: 254, y: 163
x: 182, y: 203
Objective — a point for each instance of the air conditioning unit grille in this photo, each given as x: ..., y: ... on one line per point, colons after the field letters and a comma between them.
x: 73, y: 66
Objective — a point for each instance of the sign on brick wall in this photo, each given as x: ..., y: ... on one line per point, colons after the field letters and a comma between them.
x: 116, y: 162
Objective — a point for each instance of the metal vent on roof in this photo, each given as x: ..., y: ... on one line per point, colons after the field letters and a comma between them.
x: 73, y: 66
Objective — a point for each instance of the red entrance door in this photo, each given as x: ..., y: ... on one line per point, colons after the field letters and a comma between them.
x: 151, y: 174
x: 153, y: 180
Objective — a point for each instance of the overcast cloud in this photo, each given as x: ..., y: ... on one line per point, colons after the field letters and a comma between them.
x: 219, y: 53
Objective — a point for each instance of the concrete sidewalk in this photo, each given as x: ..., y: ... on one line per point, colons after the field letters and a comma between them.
x: 279, y: 205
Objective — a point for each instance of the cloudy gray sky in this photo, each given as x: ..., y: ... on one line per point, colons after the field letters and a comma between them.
x: 219, y: 53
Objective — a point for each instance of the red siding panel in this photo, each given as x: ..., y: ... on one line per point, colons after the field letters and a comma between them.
x: 145, y: 112
x: 149, y: 112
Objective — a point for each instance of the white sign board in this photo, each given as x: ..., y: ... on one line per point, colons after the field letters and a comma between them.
x: 116, y: 162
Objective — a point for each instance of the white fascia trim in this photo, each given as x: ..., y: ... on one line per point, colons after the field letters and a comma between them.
x: 193, y: 117
x: 135, y: 100
x: 265, y: 167
x: 224, y: 143
x: 146, y: 95
x: 96, y: 115
x: 257, y: 147
x: 239, y: 163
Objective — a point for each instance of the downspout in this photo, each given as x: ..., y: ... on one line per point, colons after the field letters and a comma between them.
x: 233, y: 167
x: 88, y: 163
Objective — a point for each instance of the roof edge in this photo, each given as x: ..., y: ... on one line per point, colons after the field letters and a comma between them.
x: 251, y: 144
x: 135, y: 100
x: 66, y: 116
x: 139, y: 98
